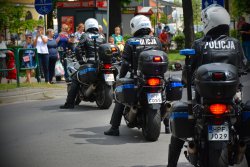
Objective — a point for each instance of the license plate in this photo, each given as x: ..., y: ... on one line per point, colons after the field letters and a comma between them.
x: 109, y: 77
x: 154, y: 98
x: 218, y: 133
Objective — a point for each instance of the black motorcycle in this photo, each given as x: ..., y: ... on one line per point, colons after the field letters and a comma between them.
x: 143, y: 94
x: 212, y: 122
x: 97, y: 77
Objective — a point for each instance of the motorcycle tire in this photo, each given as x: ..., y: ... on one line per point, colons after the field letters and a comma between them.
x: 104, y: 96
x: 217, y: 157
x: 152, y: 124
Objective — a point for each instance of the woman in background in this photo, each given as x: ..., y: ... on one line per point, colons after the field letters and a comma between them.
x: 53, y: 54
x: 40, y: 42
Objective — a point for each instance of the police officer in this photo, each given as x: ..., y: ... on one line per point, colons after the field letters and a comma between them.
x: 215, y: 46
x: 140, y: 29
x: 85, y: 53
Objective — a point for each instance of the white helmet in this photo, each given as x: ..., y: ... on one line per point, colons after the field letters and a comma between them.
x: 138, y: 22
x: 213, y: 16
x: 91, y: 23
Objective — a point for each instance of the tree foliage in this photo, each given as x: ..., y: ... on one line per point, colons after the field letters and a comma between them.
x: 240, y: 7
x: 196, y: 4
x: 12, y: 17
x: 164, y: 18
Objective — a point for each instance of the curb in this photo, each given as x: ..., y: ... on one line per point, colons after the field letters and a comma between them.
x: 31, y: 94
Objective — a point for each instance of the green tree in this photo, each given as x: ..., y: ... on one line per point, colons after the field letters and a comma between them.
x: 240, y: 7
x: 12, y: 17
x: 163, y: 19
x: 153, y: 19
x: 196, y: 4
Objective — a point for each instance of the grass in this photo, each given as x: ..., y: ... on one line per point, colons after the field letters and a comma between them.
x: 174, y: 57
x: 32, y: 85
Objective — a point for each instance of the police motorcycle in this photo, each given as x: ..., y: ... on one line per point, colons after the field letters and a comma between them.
x: 214, y: 128
x: 143, y: 94
x: 96, y: 79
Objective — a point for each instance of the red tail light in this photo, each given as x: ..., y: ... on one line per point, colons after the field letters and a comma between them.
x: 113, y: 49
x: 218, y: 109
x: 218, y: 76
x: 157, y: 59
x: 153, y: 81
x: 107, y: 66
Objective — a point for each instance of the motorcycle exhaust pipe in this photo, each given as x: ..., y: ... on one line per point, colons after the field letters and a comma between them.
x: 132, y: 114
x: 240, y: 152
x: 166, y: 111
x: 90, y: 90
x: 192, y: 153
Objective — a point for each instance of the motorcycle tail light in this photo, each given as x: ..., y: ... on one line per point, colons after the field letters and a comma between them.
x: 157, y: 59
x: 113, y: 50
x: 218, y: 76
x: 107, y: 66
x: 218, y: 109
x: 153, y: 81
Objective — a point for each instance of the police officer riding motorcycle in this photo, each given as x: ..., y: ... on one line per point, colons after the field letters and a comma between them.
x: 215, y: 47
x: 85, y: 53
x: 140, y: 28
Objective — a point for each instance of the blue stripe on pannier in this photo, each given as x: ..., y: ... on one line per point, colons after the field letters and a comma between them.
x: 126, y: 86
x: 245, y: 115
x: 84, y: 71
x: 175, y: 115
x: 176, y: 84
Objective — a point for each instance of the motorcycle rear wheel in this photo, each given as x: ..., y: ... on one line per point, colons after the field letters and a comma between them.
x: 104, y: 96
x: 217, y: 157
x: 152, y: 124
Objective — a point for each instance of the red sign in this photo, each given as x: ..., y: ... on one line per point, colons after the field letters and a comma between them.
x: 69, y: 21
x: 82, y: 4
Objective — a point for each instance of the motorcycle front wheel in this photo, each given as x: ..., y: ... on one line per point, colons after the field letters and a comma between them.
x: 104, y: 96
x: 152, y: 124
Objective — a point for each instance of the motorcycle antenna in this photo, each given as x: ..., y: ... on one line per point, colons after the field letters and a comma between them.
x: 134, y: 44
x: 94, y: 37
x: 188, y: 53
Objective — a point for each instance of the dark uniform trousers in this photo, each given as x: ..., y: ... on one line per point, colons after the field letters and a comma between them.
x: 117, y: 115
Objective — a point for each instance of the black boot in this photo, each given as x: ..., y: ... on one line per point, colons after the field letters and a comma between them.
x: 67, y: 106
x: 174, y: 151
x: 113, y: 131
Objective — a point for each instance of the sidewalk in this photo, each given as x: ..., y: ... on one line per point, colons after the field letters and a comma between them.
x: 31, y: 93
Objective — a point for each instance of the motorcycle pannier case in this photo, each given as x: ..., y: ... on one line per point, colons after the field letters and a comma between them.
x: 126, y: 91
x: 153, y: 62
x: 180, y: 125
x: 217, y: 81
x: 87, y: 73
x: 245, y: 122
x: 106, y: 52
x: 174, y: 88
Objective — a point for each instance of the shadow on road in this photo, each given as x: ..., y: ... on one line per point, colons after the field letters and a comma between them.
x: 80, y: 108
x: 180, y: 164
x: 95, y: 135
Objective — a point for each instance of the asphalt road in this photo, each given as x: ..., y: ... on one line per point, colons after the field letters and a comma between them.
x: 39, y: 134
